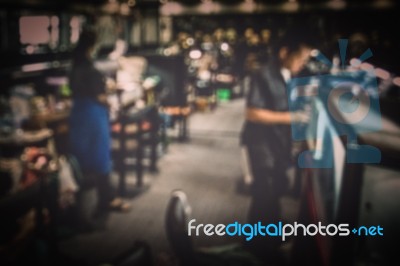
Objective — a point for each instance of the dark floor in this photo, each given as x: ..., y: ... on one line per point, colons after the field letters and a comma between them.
x: 207, y: 168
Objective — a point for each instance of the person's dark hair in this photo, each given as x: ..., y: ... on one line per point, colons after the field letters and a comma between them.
x: 295, y: 38
x: 87, y: 40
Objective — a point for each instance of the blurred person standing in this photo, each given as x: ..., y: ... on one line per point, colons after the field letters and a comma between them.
x: 266, y: 135
x: 89, y: 130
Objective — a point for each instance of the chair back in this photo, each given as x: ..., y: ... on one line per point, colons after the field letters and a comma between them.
x: 177, y: 217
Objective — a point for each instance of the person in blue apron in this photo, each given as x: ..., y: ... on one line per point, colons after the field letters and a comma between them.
x: 89, y: 130
x: 266, y: 135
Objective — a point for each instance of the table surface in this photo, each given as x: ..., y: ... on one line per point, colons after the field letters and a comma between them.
x: 26, y: 137
x: 51, y: 116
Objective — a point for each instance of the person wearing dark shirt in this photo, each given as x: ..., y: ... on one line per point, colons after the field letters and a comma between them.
x: 89, y: 130
x: 266, y: 135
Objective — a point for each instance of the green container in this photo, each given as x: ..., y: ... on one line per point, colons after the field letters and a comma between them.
x: 223, y: 95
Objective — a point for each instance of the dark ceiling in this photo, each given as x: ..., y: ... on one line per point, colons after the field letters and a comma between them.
x: 186, y: 2
x: 143, y: 4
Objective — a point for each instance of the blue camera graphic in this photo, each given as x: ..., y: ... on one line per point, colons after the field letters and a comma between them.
x: 343, y: 104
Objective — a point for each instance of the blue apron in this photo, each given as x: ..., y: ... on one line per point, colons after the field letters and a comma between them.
x: 89, y: 136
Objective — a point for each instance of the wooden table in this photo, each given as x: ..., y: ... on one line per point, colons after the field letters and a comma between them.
x: 56, y: 121
x: 41, y: 194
